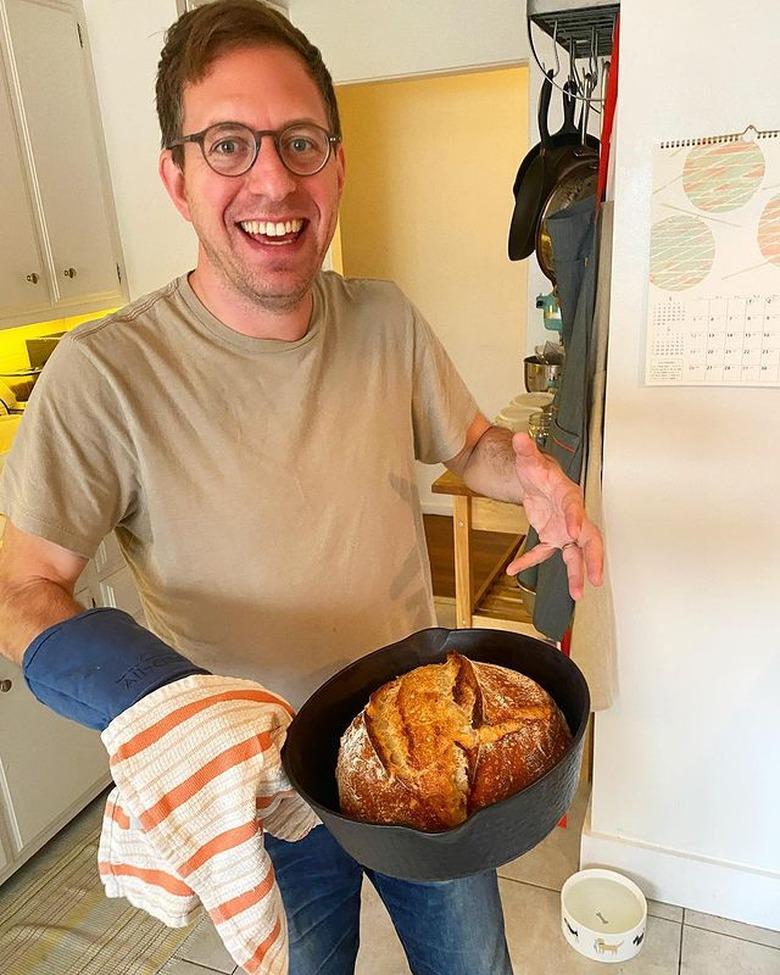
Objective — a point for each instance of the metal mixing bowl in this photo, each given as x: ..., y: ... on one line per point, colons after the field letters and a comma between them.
x: 540, y: 376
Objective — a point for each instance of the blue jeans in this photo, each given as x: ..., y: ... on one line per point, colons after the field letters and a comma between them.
x: 450, y: 928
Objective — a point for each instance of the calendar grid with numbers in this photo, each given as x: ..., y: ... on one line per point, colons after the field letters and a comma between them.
x: 713, y: 313
x: 732, y: 340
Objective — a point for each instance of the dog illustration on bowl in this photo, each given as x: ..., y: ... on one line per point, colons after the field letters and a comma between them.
x: 605, y: 948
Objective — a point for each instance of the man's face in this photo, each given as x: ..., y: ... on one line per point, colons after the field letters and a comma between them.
x: 264, y: 88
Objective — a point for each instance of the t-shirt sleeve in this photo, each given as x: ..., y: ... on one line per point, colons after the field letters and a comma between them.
x: 70, y: 476
x: 442, y: 406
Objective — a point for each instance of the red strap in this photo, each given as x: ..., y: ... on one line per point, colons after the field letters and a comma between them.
x: 609, y: 113
x: 565, y: 648
x: 566, y: 642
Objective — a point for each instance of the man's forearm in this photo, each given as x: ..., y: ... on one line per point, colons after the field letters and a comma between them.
x: 28, y: 609
x: 490, y: 468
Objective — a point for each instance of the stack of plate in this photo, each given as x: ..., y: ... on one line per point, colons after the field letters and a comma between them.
x: 515, y: 415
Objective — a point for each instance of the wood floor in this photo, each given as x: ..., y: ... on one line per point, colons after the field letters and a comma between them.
x: 487, y: 548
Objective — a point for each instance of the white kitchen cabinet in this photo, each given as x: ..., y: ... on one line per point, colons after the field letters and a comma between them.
x: 115, y: 582
x: 5, y: 856
x: 23, y: 281
x: 55, y: 144
x: 118, y: 590
x: 50, y: 768
x: 108, y: 557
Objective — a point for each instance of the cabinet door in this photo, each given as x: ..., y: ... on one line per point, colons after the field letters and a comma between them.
x: 5, y: 859
x: 49, y: 766
x: 55, y: 77
x: 108, y: 557
x: 23, y: 278
x: 118, y: 590
x: 86, y: 590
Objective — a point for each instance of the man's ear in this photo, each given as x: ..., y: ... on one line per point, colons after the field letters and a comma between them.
x: 173, y: 181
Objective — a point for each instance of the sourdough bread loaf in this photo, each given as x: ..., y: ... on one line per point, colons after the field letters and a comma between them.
x: 435, y: 745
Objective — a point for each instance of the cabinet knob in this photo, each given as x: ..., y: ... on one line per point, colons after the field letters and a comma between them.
x: 5, y: 686
x: 70, y: 272
x: 33, y: 278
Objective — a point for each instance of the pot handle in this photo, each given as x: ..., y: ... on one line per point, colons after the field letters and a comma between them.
x: 569, y: 126
x: 544, y: 110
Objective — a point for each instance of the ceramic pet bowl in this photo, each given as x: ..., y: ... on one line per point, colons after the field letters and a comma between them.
x: 603, y: 915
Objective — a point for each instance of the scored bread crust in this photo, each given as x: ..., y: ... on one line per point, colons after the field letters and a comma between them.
x: 436, y: 744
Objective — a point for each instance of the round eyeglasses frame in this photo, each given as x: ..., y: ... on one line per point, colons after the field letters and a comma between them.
x: 199, y: 138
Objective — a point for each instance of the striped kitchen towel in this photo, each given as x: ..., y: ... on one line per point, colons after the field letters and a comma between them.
x: 198, y: 779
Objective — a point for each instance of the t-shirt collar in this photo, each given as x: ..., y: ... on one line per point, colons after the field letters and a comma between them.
x: 205, y: 321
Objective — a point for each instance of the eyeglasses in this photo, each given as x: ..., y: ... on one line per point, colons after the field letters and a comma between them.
x: 231, y: 148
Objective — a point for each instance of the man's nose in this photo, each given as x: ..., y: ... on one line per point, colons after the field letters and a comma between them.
x: 268, y: 175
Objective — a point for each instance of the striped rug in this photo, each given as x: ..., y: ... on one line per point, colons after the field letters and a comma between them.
x: 56, y: 920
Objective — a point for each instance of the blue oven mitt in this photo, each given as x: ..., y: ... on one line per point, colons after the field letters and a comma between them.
x: 94, y: 666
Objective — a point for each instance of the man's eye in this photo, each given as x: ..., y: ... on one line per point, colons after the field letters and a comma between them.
x: 226, y: 147
x: 300, y: 144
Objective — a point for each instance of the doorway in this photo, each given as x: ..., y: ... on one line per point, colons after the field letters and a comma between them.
x: 428, y: 198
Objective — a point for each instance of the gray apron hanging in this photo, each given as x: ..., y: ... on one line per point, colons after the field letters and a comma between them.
x: 573, y: 235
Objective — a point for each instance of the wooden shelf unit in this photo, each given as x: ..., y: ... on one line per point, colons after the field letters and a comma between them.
x: 498, y: 603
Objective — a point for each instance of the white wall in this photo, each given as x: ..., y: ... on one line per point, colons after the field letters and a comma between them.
x: 686, y: 785
x: 126, y: 37
x: 365, y: 39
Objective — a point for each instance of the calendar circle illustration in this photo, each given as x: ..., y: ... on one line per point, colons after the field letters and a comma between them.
x: 682, y: 251
x: 724, y: 175
x: 769, y: 231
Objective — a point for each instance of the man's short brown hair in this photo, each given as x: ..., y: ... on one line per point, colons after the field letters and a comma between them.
x: 200, y: 36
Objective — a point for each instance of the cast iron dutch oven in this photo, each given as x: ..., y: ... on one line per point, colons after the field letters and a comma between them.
x: 493, y: 835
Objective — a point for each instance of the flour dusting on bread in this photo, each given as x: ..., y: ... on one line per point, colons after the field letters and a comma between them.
x: 436, y: 744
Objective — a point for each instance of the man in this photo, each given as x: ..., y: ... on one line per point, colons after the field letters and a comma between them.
x: 250, y: 432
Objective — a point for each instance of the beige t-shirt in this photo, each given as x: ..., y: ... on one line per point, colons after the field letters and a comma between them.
x: 263, y: 491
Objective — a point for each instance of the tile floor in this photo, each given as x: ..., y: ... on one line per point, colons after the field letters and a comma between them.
x: 678, y: 942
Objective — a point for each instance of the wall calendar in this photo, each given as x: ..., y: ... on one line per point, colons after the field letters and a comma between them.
x: 713, y: 313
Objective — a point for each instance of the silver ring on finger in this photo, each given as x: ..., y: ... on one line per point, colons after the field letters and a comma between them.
x: 568, y: 545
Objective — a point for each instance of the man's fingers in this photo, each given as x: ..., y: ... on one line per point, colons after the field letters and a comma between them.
x: 593, y: 551
x: 539, y: 553
x: 523, y: 445
x: 573, y: 560
x: 572, y: 557
x: 573, y: 513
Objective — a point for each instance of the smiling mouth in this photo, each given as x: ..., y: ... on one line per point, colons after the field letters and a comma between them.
x: 273, y: 232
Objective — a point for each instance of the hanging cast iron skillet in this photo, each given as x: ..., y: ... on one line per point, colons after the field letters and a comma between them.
x: 570, y: 134
x: 493, y: 835
x: 539, y: 169
x: 528, y: 188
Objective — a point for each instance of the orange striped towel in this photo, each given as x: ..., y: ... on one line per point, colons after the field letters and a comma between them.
x: 198, y: 779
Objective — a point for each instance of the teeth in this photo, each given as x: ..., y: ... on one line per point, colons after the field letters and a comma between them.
x: 269, y: 228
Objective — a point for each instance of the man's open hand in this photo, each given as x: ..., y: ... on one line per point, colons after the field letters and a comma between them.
x: 554, y: 507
